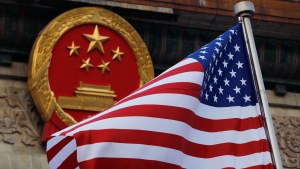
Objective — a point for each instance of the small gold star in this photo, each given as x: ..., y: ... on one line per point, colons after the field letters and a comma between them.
x: 117, y: 54
x: 86, y: 64
x: 96, y: 40
x: 73, y: 49
x: 104, y: 67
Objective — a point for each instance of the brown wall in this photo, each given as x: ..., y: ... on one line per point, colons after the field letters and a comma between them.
x: 286, y: 11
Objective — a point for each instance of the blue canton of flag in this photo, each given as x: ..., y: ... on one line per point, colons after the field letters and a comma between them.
x: 227, y: 76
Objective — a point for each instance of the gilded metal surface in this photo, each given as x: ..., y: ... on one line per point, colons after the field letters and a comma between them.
x: 42, y: 52
x: 117, y: 54
x: 73, y: 49
x: 104, y: 67
x: 89, y: 97
x: 86, y: 64
x: 96, y: 40
x: 87, y: 104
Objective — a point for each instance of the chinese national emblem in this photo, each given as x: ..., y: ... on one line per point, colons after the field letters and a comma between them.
x: 83, y: 62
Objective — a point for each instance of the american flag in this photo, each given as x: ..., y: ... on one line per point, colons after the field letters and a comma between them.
x: 202, y: 113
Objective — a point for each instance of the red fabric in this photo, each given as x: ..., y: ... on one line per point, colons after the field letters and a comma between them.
x: 126, y: 163
x: 171, y: 141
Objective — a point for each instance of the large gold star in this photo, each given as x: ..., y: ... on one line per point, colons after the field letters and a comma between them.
x: 73, y: 49
x: 96, y: 40
x: 104, y: 66
x: 86, y: 64
x: 117, y: 54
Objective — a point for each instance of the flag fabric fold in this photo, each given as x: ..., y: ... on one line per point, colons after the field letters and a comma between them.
x: 201, y: 113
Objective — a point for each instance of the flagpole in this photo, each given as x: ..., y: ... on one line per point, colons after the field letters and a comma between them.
x: 244, y: 11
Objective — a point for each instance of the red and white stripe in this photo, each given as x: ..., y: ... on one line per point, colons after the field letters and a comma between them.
x: 163, y: 125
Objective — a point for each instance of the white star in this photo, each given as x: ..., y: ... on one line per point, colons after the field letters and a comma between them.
x: 232, y: 31
x: 212, y: 69
x: 230, y: 56
x: 203, y: 52
x: 218, y: 43
x: 220, y: 72
x: 206, y: 96
x: 226, y: 81
x: 216, y: 63
x: 240, y: 65
x: 247, y: 98
x: 210, y: 88
x: 236, y: 32
x: 243, y: 81
x: 219, y: 38
x: 225, y: 46
x: 230, y: 38
x: 214, y: 56
x: 216, y: 49
x: 232, y: 73
x: 236, y: 47
x: 237, y: 90
x: 230, y: 99
x: 215, y: 80
x: 220, y: 90
x: 202, y: 57
x: 225, y: 64
x: 215, y: 98
x: 220, y: 54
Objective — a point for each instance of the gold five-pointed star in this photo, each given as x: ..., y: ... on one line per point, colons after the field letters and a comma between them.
x: 117, y: 54
x: 86, y: 64
x: 73, y: 49
x: 96, y: 40
x: 104, y: 66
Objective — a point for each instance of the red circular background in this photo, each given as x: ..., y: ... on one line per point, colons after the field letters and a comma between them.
x: 65, y: 74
